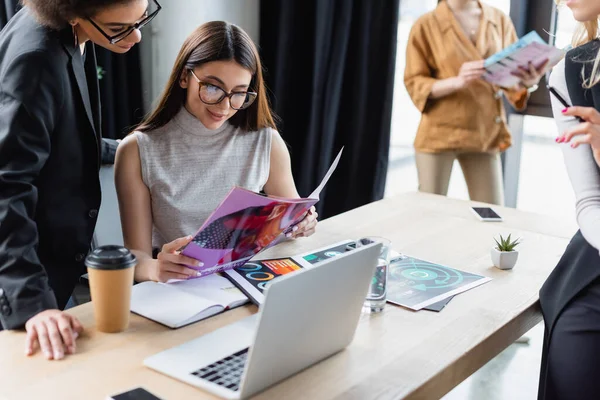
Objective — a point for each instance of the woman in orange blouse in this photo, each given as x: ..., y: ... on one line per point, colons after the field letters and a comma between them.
x: 463, y: 116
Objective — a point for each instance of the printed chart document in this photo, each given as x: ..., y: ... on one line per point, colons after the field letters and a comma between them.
x: 253, y: 277
x: 530, y: 48
x: 184, y: 302
x: 417, y: 284
x: 246, y: 223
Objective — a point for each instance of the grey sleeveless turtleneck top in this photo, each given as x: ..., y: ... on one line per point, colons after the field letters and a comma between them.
x: 189, y: 170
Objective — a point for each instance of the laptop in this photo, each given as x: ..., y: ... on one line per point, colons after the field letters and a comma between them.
x: 306, y: 317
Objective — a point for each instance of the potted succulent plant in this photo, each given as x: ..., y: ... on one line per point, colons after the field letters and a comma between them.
x: 504, y: 255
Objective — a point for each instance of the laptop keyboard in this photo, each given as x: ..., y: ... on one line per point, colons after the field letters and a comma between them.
x: 226, y: 372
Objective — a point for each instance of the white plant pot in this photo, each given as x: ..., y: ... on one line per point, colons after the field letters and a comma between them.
x: 504, y: 259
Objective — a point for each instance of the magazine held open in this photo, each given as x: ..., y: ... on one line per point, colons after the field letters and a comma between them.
x: 244, y: 224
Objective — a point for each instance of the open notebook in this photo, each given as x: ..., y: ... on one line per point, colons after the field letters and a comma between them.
x: 182, y: 303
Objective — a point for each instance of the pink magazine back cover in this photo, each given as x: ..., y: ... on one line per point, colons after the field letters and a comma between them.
x: 246, y: 223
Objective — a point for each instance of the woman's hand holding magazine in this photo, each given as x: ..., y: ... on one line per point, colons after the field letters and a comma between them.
x: 306, y: 227
x: 170, y: 264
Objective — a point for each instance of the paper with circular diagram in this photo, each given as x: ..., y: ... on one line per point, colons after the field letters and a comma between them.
x: 416, y: 284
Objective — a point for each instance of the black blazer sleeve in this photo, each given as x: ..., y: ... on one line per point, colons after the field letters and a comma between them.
x: 30, y: 103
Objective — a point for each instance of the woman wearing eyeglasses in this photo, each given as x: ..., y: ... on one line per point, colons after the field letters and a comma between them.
x: 50, y: 145
x: 212, y: 130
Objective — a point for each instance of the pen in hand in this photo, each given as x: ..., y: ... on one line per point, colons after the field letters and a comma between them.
x: 553, y: 91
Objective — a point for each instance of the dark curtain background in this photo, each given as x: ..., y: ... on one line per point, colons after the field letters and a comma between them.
x: 120, y: 86
x: 120, y: 91
x: 330, y: 67
x: 7, y: 10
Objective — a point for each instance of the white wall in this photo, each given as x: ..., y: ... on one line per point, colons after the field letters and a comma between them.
x: 163, y: 37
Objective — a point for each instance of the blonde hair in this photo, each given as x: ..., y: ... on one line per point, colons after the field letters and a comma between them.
x: 585, y: 33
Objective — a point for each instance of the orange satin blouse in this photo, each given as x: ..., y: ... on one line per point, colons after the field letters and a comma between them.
x: 472, y: 119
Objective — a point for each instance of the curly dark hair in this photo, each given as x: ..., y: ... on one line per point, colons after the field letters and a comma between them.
x: 57, y: 13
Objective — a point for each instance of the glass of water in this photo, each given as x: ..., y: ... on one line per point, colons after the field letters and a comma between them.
x: 375, y: 301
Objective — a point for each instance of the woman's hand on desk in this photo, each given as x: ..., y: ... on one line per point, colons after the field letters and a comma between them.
x: 170, y: 264
x: 54, y: 331
x: 307, y: 226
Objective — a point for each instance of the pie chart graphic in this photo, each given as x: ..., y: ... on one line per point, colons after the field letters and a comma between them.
x: 422, y: 275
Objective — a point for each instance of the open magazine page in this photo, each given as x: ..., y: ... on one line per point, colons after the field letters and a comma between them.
x: 314, y: 195
x: 243, y: 225
x: 246, y: 223
x: 253, y: 277
x: 530, y: 48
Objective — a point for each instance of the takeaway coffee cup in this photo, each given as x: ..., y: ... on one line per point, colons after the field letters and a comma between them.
x: 110, y: 270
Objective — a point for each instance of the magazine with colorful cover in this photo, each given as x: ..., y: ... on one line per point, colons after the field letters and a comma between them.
x: 246, y: 223
x: 530, y: 48
x: 254, y: 276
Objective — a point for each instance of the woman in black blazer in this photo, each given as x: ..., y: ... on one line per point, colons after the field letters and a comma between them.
x: 570, y: 298
x: 50, y: 141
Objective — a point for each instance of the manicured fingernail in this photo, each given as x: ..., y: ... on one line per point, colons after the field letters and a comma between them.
x: 288, y: 235
x: 48, y: 355
x: 27, y: 352
x: 295, y: 228
x: 557, y: 140
x: 565, y: 109
x: 189, y: 237
x: 71, y: 349
x: 198, y: 273
x: 58, y: 355
x: 200, y: 264
x: 75, y: 335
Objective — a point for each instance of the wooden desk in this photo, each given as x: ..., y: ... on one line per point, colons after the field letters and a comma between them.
x: 396, y: 354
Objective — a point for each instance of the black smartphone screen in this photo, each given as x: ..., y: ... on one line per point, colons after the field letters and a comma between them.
x: 135, y: 394
x: 486, y: 212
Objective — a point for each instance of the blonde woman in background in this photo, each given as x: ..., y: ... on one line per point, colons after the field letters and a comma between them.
x: 463, y: 116
x: 570, y: 298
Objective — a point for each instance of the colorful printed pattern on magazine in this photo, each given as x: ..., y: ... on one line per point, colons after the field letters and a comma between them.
x: 243, y: 225
x: 256, y: 275
x: 530, y: 48
x: 260, y: 273
x: 246, y: 223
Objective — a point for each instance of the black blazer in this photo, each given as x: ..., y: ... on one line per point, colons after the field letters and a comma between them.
x: 580, y: 264
x: 49, y: 160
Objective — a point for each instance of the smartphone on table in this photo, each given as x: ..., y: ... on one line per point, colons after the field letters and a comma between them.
x: 486, y: 214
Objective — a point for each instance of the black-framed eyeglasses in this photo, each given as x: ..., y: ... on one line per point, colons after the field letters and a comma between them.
x: 212, y: 94
x: 127, y: 31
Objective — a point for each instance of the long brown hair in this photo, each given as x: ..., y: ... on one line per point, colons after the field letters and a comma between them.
x: 215, y: 41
